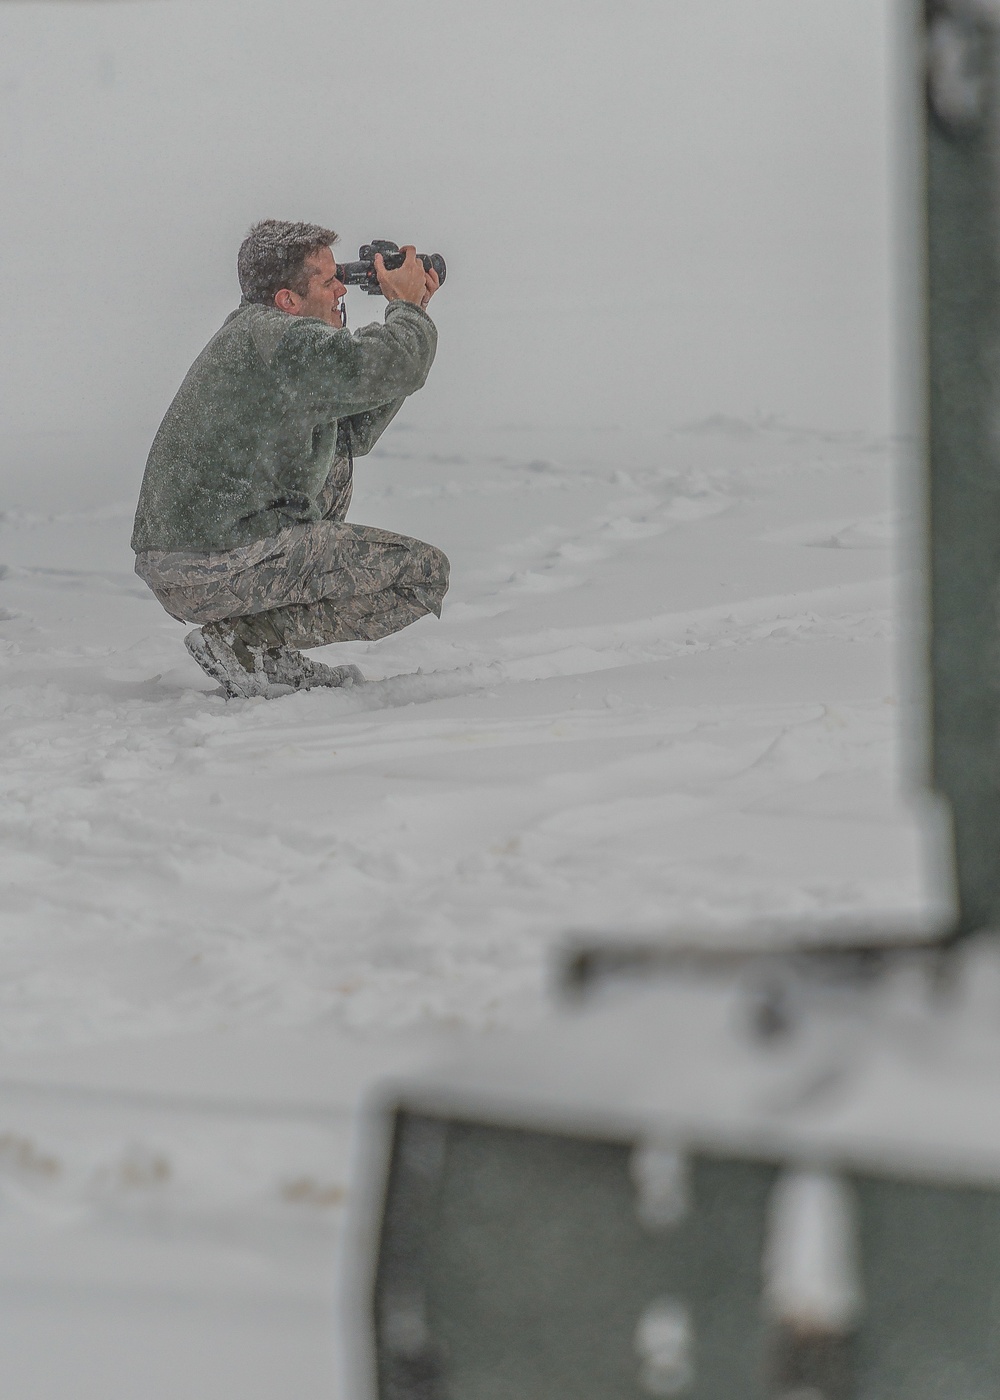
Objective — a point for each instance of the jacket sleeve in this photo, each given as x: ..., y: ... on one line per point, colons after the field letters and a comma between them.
x: 342, y: 375
x: 367, y: 428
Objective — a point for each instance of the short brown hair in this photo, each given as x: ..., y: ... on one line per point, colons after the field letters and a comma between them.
x: 273, y: 256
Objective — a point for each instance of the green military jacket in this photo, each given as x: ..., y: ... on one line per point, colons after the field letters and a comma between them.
x: 247, y: 445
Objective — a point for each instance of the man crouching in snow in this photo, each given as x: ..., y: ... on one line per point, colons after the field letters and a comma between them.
x: 240, y: 525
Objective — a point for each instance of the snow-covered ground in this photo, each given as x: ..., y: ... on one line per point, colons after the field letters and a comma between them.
x: 662, y: 699
x: 660, y: 696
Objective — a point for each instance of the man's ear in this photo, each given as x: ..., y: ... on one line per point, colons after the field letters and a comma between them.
x: 286, y: 301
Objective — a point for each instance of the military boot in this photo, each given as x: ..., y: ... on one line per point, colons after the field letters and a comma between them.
x: 245, y: 666
x: 224, y: 656
x: 284, y: 666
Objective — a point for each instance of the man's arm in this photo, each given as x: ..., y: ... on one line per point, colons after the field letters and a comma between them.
x: 340, y: 374
x: 367, y: 428
x: 408, y: 283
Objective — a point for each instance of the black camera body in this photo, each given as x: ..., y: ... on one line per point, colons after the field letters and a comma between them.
x: 362, y: 272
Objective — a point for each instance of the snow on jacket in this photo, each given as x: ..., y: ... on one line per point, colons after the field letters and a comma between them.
x: 249, y: 440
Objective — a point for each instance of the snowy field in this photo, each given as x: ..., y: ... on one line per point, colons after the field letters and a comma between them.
x: 660, y: 446
x: 660, y: 696
x: 661, y: 699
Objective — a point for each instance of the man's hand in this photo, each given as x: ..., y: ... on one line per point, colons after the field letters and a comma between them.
x: 431, y: 284
x: 409, y: 282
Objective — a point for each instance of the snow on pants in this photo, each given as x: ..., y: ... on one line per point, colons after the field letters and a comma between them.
x: 305, y: 587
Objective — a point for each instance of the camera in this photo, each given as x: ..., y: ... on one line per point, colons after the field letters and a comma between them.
x: 362, y: 272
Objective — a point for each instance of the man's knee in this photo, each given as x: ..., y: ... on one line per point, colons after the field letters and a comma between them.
x: 429, y: 573
x: 425, y: 564
x: 442, y: 569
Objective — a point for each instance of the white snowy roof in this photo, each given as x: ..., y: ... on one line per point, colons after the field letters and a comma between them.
x: 901, y: 1072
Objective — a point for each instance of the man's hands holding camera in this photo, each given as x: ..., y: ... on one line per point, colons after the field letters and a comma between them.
x: 409, y: 282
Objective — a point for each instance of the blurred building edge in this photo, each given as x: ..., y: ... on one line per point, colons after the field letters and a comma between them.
x: 963, y: 287
x: 772, y: 1171
x: 663, y: 1192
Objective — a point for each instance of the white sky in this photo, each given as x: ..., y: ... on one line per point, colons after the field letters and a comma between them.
x: 651, y: 209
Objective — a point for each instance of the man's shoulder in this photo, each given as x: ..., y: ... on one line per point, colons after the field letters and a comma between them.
x: 264, y: 326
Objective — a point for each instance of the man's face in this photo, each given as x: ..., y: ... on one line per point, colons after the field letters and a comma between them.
x: 322, y: 299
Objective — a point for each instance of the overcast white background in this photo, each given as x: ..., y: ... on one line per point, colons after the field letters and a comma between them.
x: 651, y: 210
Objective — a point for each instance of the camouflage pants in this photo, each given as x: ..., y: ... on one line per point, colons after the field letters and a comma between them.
x: 306, y: 586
